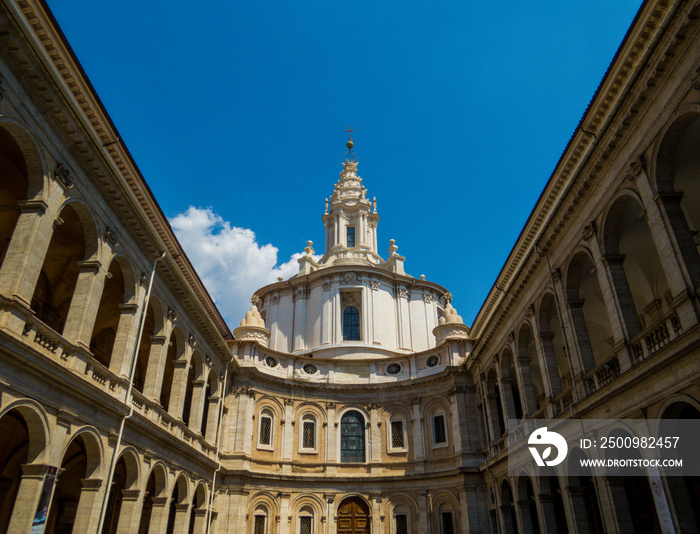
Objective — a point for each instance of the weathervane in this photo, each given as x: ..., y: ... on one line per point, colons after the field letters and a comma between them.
x: 350, y: 154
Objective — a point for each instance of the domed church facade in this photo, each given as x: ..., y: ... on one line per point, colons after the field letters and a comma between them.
x: 352, y: 407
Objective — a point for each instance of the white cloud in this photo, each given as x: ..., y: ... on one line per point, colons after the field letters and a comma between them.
x: 228, y: 259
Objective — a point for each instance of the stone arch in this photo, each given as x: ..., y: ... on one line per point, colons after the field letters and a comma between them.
x: 73, y: 242
x: 118, y: 290
x: 676, y: 174
x: 80, y: 463
x: 587, y: 311
x: 126, y: 478
x: 508, y: 514
x: 38, y: 428
x: 262, y: 508
x: 634, y: 263
x: 179, y: 509
x: 94, y: 449
x: 154, y: 495
x: 33, y: 162
x: 23, y: 441
x: 401, y: 504
x: 307, y: 508
x: 447, y: 511
x: 684, y: 491
x: 198, y: 509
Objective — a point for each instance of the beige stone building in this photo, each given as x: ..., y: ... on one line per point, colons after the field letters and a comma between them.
x: 351, y: 398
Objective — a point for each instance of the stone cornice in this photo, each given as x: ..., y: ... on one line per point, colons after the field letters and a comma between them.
x: 105, y: 157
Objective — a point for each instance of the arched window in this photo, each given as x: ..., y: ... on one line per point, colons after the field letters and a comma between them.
x: 439, y: 428
x: 306, y: 520
x: 396, y: 437
x: 446, y: 519
x: 307, y: 437
x: 401, y: 520
x: 352, y: 437
x: 351, y: 324
x: 260, y: 520
x: 265, y: 429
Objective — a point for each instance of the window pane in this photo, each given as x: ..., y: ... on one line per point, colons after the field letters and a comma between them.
x: 446, y: 519
x: 351, y: 236
x: 351, y: 324
x: 259, y: 524
x: 305, y: 525
x: 401, y: 524
x: 309, y: 440
x: 439, y: 429
x: 352, y: 438
x: 397, y: 434
x: 265, y: 430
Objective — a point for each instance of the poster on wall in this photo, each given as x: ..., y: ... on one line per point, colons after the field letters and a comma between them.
x: 42, y: 509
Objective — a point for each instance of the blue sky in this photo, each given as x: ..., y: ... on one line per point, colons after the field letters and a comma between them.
x: 235, y: 114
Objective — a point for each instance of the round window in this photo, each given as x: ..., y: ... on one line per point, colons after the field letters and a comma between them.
x: 393, y: 368
x: 309, y: 369
x: 271, y: 362
x: 432, y: 361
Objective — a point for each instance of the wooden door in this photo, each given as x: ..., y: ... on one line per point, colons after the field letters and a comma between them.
x: 353, y: 516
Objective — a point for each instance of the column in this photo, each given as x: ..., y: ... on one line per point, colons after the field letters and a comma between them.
x: 607, y: 284
x: 200, y: 517
x: 374, y: 437
x: 155, y: 368
x: 87, y: 514
x: 548, y: 363
x: 288, y: 425
x: 182, y: 518
x: 125, y: 340
x: 548, y: 517
x: 129, y: 515
x: 331, y: 439
x: 418, y: 442
x: 522, y: 508
x: 27, y: 249
x: 576, y: 504
x: 458, y: 422
x: 623, y: 295
x: 213, y: 418
x: 613, y: 504
x: 527, y: 392
x: 84, y: 303
x: 285, y: 516
x: 586, y: 361
x: 507, y: 399
x: 27, y: 499
x: 177, y: 391
x: 159, y: 515
x: 197, y: 408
